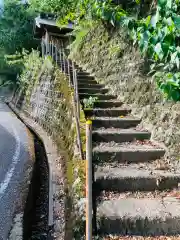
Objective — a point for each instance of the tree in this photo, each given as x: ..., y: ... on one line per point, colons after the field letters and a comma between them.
x: 61, y: 7
x: 16, y: 27
x: 16, y: 34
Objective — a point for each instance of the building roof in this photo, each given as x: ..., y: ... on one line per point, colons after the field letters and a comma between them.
x: 45, y: 22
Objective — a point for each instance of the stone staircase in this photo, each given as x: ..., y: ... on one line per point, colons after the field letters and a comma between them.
x: 133, y: 187
x: 132, y: 182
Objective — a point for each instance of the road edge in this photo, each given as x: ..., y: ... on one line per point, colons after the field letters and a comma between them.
x: 50, y: 152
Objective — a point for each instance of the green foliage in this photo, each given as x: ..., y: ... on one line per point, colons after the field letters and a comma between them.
x: 4, y: 83
x: 16, y: 25
x: 114, y: 50
x: 105, y: 11
x: 80, y: 31
x: 32, y: 68
x: 89, y: 102
x: 15, y: 62
x: 169, y: 84
x: 53, y: 6
x: 77, y: 10
x: 157, y: 36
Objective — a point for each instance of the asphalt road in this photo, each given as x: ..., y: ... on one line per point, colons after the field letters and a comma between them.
x: 15, y: 155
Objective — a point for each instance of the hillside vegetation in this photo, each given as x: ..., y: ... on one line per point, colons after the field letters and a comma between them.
x: 152, y: 26
x: 156, y: 34
x: 16, y: 39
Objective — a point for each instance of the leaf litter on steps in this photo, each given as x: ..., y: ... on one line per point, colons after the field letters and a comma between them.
x: 106, y: 195
x: 142, y: 238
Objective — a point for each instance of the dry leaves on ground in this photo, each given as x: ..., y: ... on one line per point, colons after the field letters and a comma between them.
x: 143, y: 238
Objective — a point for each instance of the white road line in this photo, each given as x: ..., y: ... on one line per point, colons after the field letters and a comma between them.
x: 9, y: 174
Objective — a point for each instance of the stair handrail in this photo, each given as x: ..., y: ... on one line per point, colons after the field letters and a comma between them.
x: 76, y: 107
x: 75, y: 97
x: 89, y: 180
x: 89, y: 166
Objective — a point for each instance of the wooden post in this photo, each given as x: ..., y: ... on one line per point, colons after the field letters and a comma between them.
x: 60, y: 58
x: 56, y: 54
x: 63, y: 59
x: 50, y: 48
x: 69, y: 73
x: 42, y: 48
x: 47, y: 43
x: 77, y: 129
x: 89, y: 208
x: 73, y: 73
x: 52, y: 54
x: 75, y: 103
x: 77, y: 94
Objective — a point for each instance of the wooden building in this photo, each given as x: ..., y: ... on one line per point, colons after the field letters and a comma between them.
x: 50, y: 35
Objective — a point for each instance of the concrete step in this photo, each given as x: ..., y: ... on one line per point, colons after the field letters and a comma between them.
x: 107, y: 104
x: 66, y: 64
x: 92, y: 90
x: 62, y: 60
x: 109, y: 195
x: 126, y: 152
x: 67, y: 70
x: 106, y: 112
x: 139, y: 217
x: 131, y: 237
x: 89, y: 82
x: 79, y: 70
x: 83, y: 77
x: 99, y: 96
x: 115, y: 122
x: 82, y: 73
x: 89, y: 85
x: 119, y: 135
x: 135, y: 177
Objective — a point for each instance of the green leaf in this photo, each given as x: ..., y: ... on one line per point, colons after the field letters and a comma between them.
x: 169, y: 21
x: 173, y: 57
x: 158, y: 50
x: 177, y: 22
x: 177, y: 62
x: 155, y: 19
x: 154, y: 39
x: 148, y: 21
x: 169, y: 4
x: 162, y: 3
x: 169, y: 75
x: 172, y: 82
x: 175, y: 94
x: 165, y: 48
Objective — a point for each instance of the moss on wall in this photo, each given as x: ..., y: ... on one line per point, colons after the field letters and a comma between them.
x: 47, y: 98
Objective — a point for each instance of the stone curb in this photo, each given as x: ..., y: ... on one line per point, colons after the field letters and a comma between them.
x: 50, y: 152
